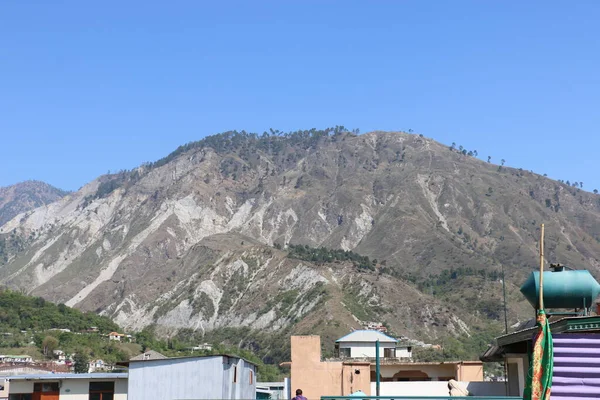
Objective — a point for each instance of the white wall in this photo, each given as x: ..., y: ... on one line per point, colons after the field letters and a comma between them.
x: 75, y: 389
x: 21, y: 387
x: 120, y: 389
x: 171, y: 379
x: 437, y: 388
x: 403, y: 352
x: 72, y: 389
x: 79, y: 389
x: 362, y: 349
x: 517, y: 363
x: 191, y: 378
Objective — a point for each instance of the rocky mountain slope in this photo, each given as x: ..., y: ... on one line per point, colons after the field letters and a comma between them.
x: 198, y: 240
x: 25, y: 196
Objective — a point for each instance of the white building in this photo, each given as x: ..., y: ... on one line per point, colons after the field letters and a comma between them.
x: 362, y: 343
x: 15, y: 359
x: 116, y: 336
x: 60, y: 356
x: 403, y: 351
x: 98, y: 365
x: 210, y: 377
x: 274, y: 390
x: 65, y: 386
x: 204, y: 346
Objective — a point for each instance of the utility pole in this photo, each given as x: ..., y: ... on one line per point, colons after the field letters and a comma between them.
x: 377, y: 391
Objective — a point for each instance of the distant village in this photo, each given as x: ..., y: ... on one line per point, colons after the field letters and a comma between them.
x: 59, y: 360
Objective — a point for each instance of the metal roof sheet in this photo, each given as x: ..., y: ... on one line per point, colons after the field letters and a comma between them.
x: 367, y: 336
x: 57, y: 377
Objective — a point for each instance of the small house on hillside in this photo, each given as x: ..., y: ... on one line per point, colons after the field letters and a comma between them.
x: 60, y: 356
x: 116, y: 336
x: 98, y: 365
x: 20, y: 359
x: 149, y: 355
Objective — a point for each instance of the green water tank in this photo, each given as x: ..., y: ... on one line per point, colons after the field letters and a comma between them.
x: 562, y: 289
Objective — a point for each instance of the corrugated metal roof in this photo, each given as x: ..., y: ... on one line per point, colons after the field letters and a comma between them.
x: 367, y: 336
x: 185, y: 358
x: 55, y: 377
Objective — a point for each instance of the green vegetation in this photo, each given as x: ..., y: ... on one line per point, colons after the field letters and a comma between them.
x: 81, y: 361
x: 464, y: 151
x: 245, y: 144
x: 462, y: 348
x: 28, y: 320
x: 273, y: 141
x: 13, y: 243
x: 442, y: 283
x: 325, y: 255
x: 34, y: 326
x: 19, y: 312
x: 258, y: 347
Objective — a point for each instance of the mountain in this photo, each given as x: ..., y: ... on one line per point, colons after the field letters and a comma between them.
x: 198, y: 243
x: 25, y: 196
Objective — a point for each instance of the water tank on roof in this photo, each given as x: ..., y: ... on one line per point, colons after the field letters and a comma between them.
x: 562, y: 288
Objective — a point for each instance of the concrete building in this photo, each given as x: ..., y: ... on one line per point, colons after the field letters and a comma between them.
x: 116, y: 336
x: 65, y: 387
x: 361, y: 344
x: 274, y: 390
x: 149, y: 355
x: 576, y: 356
x: 465, y: 371
x: 60, y: 356
x: 404, y: 351
x: 319, y: 378
x: 20, y: 359
x: 98, y: 366
x: 209, y: 377
x: 344, y: 376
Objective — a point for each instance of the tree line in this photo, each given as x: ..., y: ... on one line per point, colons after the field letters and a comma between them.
x: 323, y: 255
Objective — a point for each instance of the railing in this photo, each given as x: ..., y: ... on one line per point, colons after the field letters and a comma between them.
x: 420, y: 398
x: 372, y: 359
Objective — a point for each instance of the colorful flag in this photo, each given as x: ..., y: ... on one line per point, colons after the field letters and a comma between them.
x: 542, y: 362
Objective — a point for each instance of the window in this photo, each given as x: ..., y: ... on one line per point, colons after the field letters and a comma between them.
x: 345, y: 352
x: 234, y: 374
x: 46, y: 387
x: 19, y: 396
x: 102, y: 390
x: 251, y: 377
x: 389, y: 353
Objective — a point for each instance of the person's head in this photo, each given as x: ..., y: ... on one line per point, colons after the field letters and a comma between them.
x: 298, y: 392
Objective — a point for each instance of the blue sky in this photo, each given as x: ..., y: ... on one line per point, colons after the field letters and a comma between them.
x: 87, y: 87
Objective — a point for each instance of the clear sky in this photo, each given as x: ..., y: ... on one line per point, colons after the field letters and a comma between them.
x: 87, y: 87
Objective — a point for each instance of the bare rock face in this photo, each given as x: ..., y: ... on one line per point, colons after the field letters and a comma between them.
x: 199, y: 239
x: 25, y: 196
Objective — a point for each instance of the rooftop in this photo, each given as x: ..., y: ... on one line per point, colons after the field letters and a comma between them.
x: 149, y: 355
x: 141, y: 360
x: 367, y: 336
x: 515, y: 341
x: 57, y: 377
x: 561, y: 325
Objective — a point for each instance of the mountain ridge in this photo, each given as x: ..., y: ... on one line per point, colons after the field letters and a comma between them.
x: 24, y: 196
x: 198, y: 240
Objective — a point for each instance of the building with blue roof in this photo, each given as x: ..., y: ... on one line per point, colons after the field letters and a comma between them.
x: 362, y: 344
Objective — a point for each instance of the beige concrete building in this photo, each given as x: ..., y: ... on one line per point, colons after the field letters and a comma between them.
x: 317, y: 377
x: 466, y: 371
